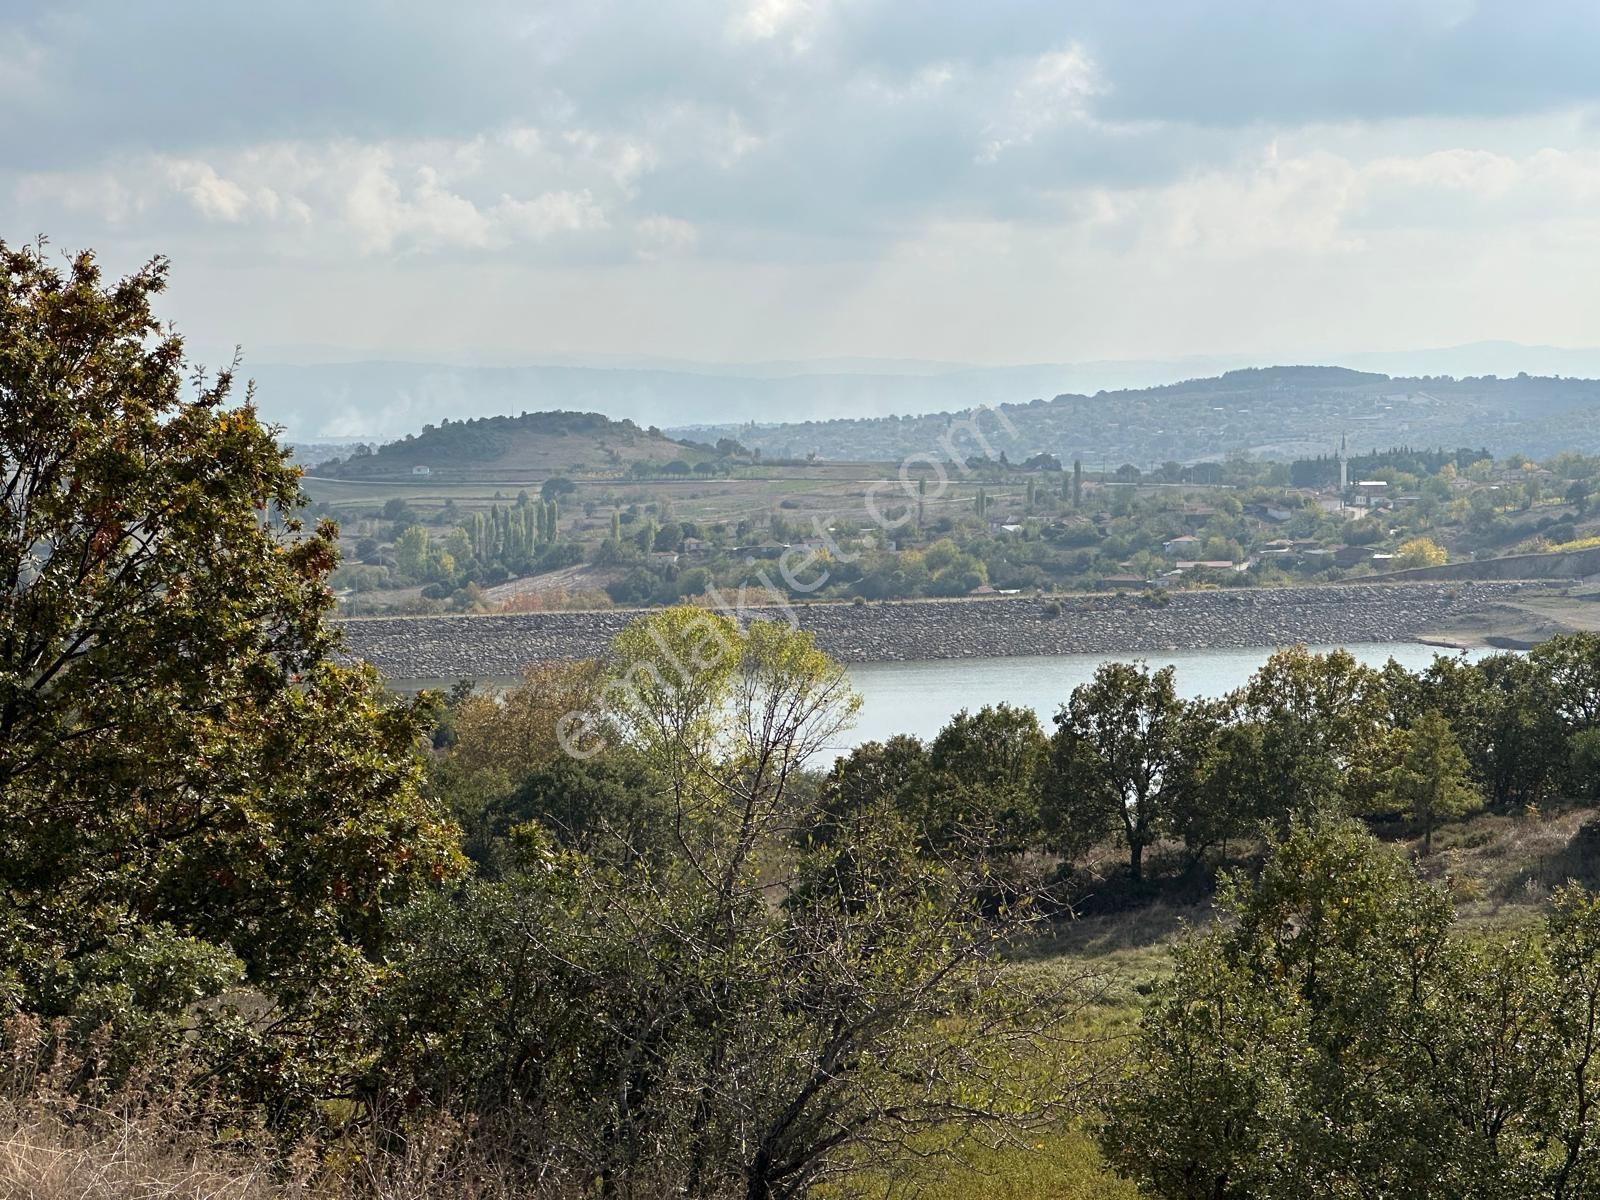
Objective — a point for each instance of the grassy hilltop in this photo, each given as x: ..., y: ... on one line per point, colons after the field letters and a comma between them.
x: 532, y: 444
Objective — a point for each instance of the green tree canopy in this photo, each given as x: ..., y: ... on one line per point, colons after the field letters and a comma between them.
x: 675, y: 1022
x: 987, y: 768
x: 1338, y: 1038
x: 1430, y: 780
x: 1121, y: 756
x: 1320, y: 716
x: 197, y: 795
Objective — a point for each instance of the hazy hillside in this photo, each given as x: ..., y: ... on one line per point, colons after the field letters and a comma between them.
x: 374, y: 400
x: 314, y: 393
x: 542, y: 443
x: 1276, y: 412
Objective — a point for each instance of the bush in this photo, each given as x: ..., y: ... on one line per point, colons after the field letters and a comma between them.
x: 1340, y: 1036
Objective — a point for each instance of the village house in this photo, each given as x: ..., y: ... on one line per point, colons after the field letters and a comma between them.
x: 1350, y: 556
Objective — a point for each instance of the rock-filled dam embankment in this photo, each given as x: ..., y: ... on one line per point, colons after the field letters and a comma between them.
x: 481, y: 647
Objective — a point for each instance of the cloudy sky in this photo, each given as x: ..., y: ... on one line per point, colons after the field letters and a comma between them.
x: 747, y: 179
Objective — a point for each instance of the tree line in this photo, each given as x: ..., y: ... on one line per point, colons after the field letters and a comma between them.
x: 1131, y: 759
x: 612, y: 933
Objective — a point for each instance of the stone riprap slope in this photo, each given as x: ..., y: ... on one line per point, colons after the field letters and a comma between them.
x: 500, y: 646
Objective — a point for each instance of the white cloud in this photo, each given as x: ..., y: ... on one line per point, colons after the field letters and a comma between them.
x: 213, y: 197
x: 753, y: 147
x: 384, y: 215
x: 1458, y: 169
x: 623, y: 159
x: 1298, y: 205
x: 548, y: 215
x: 1054, y: 88
x: 337, y: 198
x: 768, y: 20
x: 736, y: 141
x: 1319, y: 203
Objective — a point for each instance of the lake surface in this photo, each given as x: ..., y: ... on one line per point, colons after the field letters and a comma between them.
x: 920, y: 697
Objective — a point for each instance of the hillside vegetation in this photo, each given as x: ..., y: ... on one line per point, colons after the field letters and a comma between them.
x: 1273, y: 412
x: 267, y: 930
x: 537, y: 444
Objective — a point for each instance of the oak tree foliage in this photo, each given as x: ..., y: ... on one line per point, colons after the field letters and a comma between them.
x: 196, y: 794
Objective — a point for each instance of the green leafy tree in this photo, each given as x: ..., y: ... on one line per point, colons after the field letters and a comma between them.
x: 1230, y: 785
x: 1570, y: 665
x: 556, y: 487
x: 602, y: 807
x: 1431, y: 778
x: 596, y: 1002
x: 1321, y: 716
x: 198, y: 796
x: 1583, y: 765
x: 1578, y: 496
x: 892, y: 773
x: 412, y: 551
x: 1121, y: 756
x: 1513, y: 733
x: 1337, y: 1037
x: 986, y: 770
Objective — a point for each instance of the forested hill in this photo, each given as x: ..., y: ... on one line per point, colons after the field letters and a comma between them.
x: 1282, y: 412
x: 538, y: 443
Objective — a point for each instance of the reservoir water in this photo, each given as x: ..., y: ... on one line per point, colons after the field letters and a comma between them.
x: 919, y: 697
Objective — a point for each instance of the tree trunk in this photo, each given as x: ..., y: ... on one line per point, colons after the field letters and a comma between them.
x: 756, y: 1185
x: 1136, y: 859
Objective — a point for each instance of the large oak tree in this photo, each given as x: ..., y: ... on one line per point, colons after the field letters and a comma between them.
x: 196, y: 796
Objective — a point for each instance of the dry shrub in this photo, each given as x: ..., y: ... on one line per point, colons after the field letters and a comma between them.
x: 65, y: 1133
x: 518, y: 730
x: 112, y: 1156
x: 65, y: 1137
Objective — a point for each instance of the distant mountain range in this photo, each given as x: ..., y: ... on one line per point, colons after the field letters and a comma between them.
x: 1281, y: 413
x: 1276, y: 412
x: 319, y: 397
